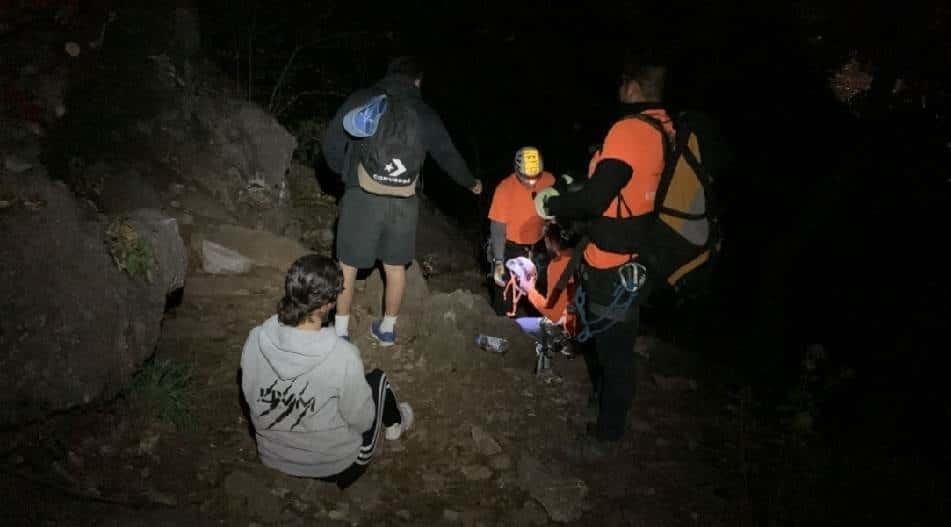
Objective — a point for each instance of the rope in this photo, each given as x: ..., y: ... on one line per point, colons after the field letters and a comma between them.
x: 631, y: 279
x: 517, y: 294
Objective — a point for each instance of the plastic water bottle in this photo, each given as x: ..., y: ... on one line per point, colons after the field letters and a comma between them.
x: 493, y: 344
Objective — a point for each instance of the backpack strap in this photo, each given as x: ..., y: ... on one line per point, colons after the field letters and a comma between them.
x: 672, y: 152
x: 576, y: 256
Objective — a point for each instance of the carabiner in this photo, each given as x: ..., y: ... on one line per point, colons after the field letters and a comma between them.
x: 632, y: 276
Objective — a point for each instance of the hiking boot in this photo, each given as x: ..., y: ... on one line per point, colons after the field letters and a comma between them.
x: 407, y: 417
x: 591, y: 448
x: 385, y: 338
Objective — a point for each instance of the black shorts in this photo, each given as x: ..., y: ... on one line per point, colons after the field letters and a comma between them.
x: 375, y: 228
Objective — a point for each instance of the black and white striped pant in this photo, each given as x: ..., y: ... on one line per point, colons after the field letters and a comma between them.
x: 387, y: 414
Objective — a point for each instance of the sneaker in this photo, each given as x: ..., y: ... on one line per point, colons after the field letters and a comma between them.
x: 394, y: 431
x: 384, y: 338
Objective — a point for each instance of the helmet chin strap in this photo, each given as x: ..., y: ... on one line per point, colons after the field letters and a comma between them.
x: 528, y: 181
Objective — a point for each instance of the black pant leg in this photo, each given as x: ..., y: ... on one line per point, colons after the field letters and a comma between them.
x: 593, y: 364
x: 391, y: 409
x: 611, y: 363
x: 615, y: 351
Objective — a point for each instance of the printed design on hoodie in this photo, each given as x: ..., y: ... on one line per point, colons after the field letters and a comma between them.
x: 281, y: 396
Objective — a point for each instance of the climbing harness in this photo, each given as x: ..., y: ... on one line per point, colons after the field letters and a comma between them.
x: 632, y: 276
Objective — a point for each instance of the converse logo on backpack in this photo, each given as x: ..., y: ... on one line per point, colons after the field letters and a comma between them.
x: 391, y: 158
x: 398, y: 170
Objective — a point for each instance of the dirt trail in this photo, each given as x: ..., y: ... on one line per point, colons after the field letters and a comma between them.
x: 492, y: 445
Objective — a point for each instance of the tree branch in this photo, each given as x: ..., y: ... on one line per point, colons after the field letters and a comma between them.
x: 280, y: 79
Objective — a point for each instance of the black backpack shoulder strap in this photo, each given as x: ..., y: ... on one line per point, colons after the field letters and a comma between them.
x: 672, y: 151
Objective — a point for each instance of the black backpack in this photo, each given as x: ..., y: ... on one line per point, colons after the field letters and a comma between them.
x: 685, y: 234
x: 682, y: 234
x: 391, y: 158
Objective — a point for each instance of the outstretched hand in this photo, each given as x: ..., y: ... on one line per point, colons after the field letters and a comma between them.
x: 498, y: 274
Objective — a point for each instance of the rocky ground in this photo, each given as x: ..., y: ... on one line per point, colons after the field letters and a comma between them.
x: 492, y: 445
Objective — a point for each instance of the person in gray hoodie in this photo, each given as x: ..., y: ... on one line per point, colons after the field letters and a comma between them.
x: 314, y: 410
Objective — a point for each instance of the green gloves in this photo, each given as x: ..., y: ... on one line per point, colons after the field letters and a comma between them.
x: 541, y: 202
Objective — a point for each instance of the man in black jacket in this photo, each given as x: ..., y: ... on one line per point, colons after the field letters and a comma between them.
x: 374, y: 226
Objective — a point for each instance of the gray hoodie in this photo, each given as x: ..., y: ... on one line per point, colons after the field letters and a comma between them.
x: 309, y: 400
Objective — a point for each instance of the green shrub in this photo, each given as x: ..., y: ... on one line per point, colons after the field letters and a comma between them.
x: 131, y: 253
x: 162, y: 388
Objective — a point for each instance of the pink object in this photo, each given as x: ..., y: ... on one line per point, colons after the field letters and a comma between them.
x: 522, y: 270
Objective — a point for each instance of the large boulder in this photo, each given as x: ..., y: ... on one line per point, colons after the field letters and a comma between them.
x: 247, y: 154
x: 73, y: 326
x: 256, y: 247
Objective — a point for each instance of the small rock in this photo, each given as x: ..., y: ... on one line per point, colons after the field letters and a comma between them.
x: 299, y: 505
x: 500, y: 462
x: 484, y: 442
x: 15, y: 164
x: 217, y: 259
x: 280, y: 492
x: 450, y: 515
x: 161, y: 498
x: 433, y: 483
x: 72, y: 49
x: 662, y: 443
x: 289, y: 518
x: 175, y: 204
x: 148, y: 443
x: 337, y: 514
x: 531, y: 513
x: 404, y: 515
x: 476, y: 472
x: 562, y: 496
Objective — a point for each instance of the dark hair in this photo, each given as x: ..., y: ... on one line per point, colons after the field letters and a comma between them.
x: 312, y: 282
x: 406, y: 65
x: 648, y: 72
x: 562, y: 238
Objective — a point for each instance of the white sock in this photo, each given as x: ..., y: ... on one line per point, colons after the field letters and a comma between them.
x: 341, y: 323
x: 388, y: 324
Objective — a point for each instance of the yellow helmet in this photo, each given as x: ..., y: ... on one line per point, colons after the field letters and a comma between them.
x: 528, y: 162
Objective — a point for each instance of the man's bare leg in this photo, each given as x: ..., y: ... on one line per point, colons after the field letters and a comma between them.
x: 345, y: 300
x: 393, y: 295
